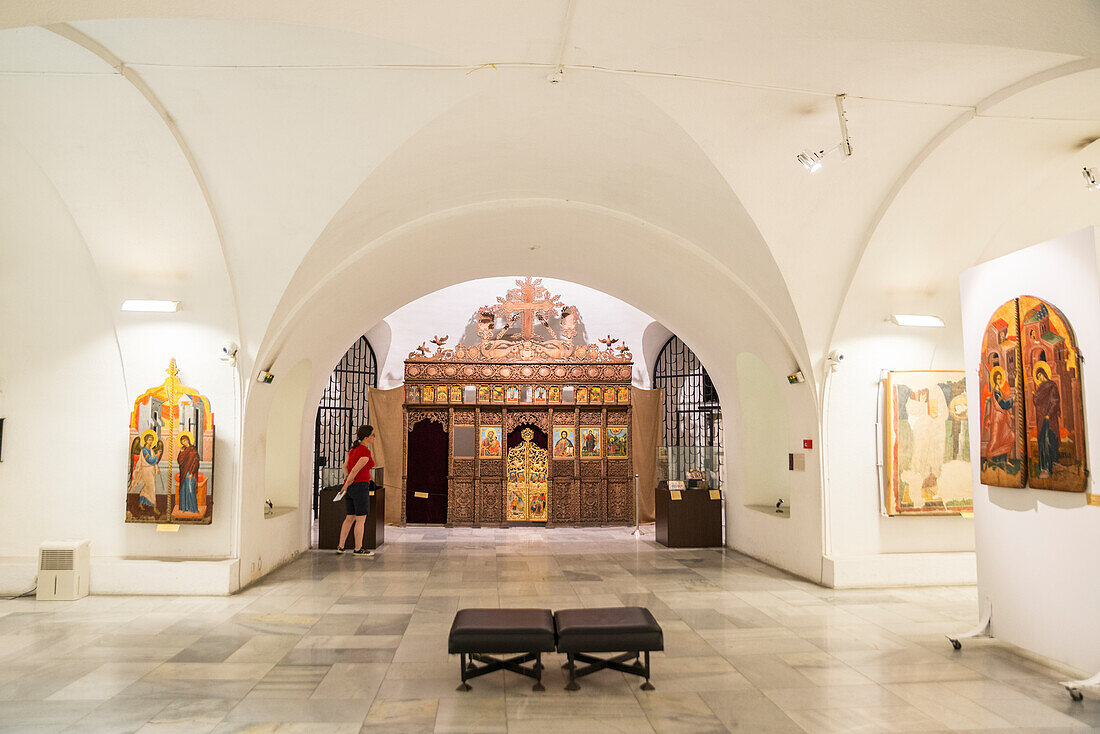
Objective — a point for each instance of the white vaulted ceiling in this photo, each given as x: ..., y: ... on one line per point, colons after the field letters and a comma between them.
x: 319, y: 128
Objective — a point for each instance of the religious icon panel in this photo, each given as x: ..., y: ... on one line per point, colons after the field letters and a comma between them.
x: 928, y: 444
x: 1053, y: 407
x: 609, y: 395
x: 539, y: 395
x: 441, y: 394
x: 564, y: 442
x: 456, y: 393
x: 483, y: 393
x: 618, y: 442
x: 171, y: 458
x: 427, y: 393
x: 412, y: 393
x: 489, y: 445
x: 582, y: 395
x: 498, y: 393
x: 554, y: 394
x: 527, y: 472
x: 511, y: 395
x: 590, y: 443
x: 623, y: 396
x: 1000, y: 378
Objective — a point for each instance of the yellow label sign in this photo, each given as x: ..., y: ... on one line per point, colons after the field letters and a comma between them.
x: 162, y: 528
x: 716, y: 494
x: 420, y: 495
x: 675, y: 494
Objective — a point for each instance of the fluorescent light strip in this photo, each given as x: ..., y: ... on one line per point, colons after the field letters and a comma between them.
x: 910, y: 319
x: 150, y: 306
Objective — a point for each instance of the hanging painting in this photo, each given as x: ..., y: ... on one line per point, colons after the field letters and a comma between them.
x: 427, y: 393
x: 582, y: 395
x: 928, y: 444
x: 489, y: 445
x: 1000, y: 378
x: 1052, y: 398
x: 483, y: 393
x: 590, y: 443
x: 565, y: 443
x: 412, y: 393
x: 618, y: 442
x: 170, y: 470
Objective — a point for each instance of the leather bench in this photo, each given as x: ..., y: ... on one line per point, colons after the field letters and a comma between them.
x: 630, y: 631
x: 477, y: 632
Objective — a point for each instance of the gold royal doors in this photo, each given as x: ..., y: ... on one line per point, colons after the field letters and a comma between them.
x: 527, y: 470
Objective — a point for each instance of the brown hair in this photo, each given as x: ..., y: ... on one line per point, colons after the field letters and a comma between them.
x: 363, y: 433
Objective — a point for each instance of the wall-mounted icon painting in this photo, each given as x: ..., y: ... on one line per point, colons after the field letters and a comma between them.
x: 590, y: 443
x: 565, y: 444
x: 623, y: 395
x: 483, y: 393
x: 582, y: 395
x: 1033, y: 427
x: 1002, y: 462
x: 489, y: 444
x: 595, y: 395
x: 539, y: 395
x: 1054, y: 410
x: 618, y: 442
x: 498, y: 393
x: 427, y: 393
x: 440, y: 393
x: 553, y: 395
x: 927, y: 444
x: 412, y: 393
x: 456, y: 393
x: 609, y: 395
x: 511, y: 394
x: 170, y: 475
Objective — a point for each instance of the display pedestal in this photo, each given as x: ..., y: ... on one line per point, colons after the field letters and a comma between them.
x: 692, y: 521
x: 330, y: 517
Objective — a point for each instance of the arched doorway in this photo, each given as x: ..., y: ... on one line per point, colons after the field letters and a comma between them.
x: 692, y: 412
x: 342, y: 409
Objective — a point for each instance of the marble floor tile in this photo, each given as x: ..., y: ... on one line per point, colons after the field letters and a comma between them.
x: 341, y: 644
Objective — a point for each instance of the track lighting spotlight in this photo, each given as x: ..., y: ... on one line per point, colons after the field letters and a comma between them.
x: 1089, y: 174
x: 812, y: 160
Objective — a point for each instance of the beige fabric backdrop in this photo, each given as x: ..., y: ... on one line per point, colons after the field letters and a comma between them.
x: 648, y: 433
x: 388, y: 421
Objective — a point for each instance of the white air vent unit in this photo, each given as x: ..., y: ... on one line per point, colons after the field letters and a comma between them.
x: 63, y: 570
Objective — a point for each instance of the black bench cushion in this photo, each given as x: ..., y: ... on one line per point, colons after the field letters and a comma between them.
x: 502, y: 630
x: 610, y: 629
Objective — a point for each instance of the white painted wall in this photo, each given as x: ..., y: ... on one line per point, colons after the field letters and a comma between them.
x: 1035, y: 547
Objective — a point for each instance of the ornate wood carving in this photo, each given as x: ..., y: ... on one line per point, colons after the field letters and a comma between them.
x: 620, y: 502
x: 415, y: 416
x: 462, y: 511
x: 464, y: 416
x: 590, y: 501
x: 539, y: 418
x: 492, y: 468
x: 490, y: 417
x: 463, y: 468
x: 591, y: 469
x: 492, y: 501
x: 620, y: 468
x: 564, y: 417
x: 591, y: 418
x: 563, y: 505
x: 562, y: 468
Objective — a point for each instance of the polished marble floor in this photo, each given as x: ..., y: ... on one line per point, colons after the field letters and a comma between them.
x: 345, y: 644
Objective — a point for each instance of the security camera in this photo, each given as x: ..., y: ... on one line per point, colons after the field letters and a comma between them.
x: 836, y: 356
x: 229, y: 352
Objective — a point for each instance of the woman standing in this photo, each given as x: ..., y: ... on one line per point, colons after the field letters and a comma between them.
x: 357, y: 489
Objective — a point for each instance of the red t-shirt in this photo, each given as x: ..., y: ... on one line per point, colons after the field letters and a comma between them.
x: 357, y: 453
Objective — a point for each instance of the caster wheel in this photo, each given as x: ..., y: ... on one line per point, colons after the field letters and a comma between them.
x: 1075, y: 694
x: 956, y: 644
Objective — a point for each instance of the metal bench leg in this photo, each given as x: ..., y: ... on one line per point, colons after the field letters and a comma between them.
x: 647, y: 686
x: 463, y: 686
x: 572, y: 684
x: 538, y: 669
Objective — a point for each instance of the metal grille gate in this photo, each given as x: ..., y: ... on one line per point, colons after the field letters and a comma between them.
x: 343, y: 408
x: 692, y: 411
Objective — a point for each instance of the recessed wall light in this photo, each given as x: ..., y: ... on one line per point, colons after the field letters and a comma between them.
x: 913, y: 319
x: 145, y: 306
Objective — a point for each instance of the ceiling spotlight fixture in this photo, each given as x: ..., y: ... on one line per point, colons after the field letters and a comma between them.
x: 1089, y: 174
x: 912, y: 319
x: 151, y: 306
x: 812, y: 160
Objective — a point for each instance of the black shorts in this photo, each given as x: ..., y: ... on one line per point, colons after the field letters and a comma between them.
x: 357, y: 500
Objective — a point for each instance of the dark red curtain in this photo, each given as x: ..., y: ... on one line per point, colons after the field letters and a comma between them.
x: 427, y: 473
